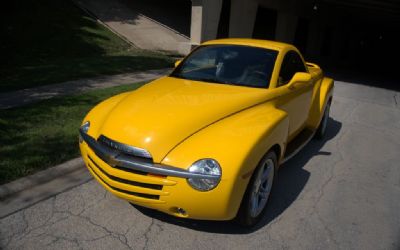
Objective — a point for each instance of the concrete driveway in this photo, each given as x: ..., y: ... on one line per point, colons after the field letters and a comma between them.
x: 340, y: 193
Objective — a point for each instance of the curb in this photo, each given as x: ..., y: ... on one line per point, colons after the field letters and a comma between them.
x: 43, y: 176
x: 32, y: 189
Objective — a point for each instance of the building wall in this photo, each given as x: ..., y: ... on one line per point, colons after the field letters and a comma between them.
x: 327, y: 31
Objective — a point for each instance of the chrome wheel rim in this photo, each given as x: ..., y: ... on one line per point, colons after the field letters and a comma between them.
x: 325, y: 119
x: 262, y: 187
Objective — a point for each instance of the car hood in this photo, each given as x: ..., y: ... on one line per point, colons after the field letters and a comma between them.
x: 163, y: 113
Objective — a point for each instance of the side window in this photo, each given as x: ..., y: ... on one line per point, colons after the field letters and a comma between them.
x: 291, y: 64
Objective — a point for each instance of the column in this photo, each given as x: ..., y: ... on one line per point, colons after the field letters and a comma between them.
x: 337, y: 44
x: 242, y: 18
x: 314, y: 40
x: 286, y: 24
x: 205, y: 19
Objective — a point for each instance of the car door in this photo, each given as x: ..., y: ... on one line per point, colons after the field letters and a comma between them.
x: 296, y: 98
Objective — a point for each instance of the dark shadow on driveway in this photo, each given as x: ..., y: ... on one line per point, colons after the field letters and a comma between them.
x: 367, y: 77
x: 290, y: 182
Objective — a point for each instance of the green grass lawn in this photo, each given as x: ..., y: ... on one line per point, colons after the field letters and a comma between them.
x: 51, y: 41
x: 44, y: 134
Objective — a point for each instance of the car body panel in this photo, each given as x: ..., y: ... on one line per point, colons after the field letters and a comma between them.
x: 322, y: 94
x: 181, y: 121
x: 238, y: 143
x: 164, y: 112
x: 296, y: 102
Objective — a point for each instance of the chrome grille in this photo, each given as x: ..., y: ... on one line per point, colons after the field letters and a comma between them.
x: 127, y: 173
x: 124, y: 148
x: 130, y: 182
x: 147, y: 196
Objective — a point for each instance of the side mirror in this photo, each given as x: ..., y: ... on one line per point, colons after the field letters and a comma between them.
x: 177, y: 63
x: 298, y: 78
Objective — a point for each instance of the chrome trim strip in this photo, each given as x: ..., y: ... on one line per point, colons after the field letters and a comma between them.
x: 127, y: 149
x: 116, y: 158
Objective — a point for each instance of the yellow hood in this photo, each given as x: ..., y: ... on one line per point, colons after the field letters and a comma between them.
x: 163, y: 113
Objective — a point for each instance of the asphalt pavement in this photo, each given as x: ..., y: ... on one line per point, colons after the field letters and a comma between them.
x: 339, y: 193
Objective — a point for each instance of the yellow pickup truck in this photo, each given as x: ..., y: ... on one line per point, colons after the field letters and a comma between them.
x: 206, y: 141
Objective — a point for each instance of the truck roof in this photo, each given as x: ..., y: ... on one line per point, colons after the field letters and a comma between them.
x: 251, y: 42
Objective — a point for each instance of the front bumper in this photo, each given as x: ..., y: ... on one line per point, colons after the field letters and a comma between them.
x: 155, y: 186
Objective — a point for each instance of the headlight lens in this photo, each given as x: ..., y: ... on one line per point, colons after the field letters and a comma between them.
x: 208, y: 167
x: 85, y: 127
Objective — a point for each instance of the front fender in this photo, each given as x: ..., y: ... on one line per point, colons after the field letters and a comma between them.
x: 321, y: 97
x: 238, y: 143
x: 327, y: 86
x: 98, y: 114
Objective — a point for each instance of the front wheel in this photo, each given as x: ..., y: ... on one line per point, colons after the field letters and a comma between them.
x: 258, y: 191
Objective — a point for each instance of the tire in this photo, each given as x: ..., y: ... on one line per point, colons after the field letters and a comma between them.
x: 255, y: 200
x: 321, y: 131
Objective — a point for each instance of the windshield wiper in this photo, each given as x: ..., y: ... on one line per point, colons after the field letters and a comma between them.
x: 213, y: 80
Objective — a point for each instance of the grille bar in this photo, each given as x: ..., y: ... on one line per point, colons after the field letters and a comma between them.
x: 131, y: 170
x: 147, y: 196
x: 134, y: 183
x: 114, y: 171
x: 127, y: 149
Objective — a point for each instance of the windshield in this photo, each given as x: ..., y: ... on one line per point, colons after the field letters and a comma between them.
x: 229, y: 64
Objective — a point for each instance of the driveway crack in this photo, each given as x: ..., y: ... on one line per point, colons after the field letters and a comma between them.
x: 120, y: 237
x: 146, y: 234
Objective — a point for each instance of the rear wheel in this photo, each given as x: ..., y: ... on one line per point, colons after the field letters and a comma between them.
x: 258, y: 191
x: 324, y: 122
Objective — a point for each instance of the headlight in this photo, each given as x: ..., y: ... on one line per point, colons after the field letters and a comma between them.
x: 206, y: 167
x: 85, y: 127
